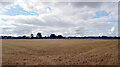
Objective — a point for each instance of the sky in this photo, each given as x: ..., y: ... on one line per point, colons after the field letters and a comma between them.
x: 19, y: 18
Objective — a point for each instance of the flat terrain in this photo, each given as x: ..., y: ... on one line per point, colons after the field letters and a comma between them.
x: 60, y: 51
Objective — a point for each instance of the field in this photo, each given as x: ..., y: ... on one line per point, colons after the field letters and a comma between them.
x: 59, y: 51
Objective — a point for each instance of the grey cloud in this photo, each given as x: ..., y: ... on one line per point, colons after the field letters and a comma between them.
x: 23, y: 29
x: 88, y: 4
x: 6, y: 3
x: 53, y: 21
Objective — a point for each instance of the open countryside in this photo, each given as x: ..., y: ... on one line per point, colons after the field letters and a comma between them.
x: 59, y: 51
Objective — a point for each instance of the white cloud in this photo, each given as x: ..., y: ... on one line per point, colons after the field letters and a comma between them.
x: 61, y: 18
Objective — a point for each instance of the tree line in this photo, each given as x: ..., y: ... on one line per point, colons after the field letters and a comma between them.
x: 53, y: 36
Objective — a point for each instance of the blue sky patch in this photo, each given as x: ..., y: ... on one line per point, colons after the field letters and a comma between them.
x: 101, y: 14
x: 17, y: 10
x: 112, y: 21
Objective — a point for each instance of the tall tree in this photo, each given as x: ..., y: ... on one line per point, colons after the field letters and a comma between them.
x: 39, y: 35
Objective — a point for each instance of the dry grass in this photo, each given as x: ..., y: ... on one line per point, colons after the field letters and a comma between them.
x: 60, y: 51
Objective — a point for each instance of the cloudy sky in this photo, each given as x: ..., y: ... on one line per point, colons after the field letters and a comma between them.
x: 65, y: 18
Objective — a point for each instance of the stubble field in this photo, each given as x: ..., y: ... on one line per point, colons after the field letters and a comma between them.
x: 59, y: 51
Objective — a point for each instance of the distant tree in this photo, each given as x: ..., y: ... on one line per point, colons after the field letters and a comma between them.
x: 104, y: 36
x: 24, y: 37
x: 31, y: 36
x: 39, y: 35
x: 60, y: 36
x: 52, y: 36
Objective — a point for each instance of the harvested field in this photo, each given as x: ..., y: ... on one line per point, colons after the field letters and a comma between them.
x: 60, y: 51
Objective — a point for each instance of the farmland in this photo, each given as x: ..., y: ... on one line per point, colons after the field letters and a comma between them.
x: 59, y: 51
